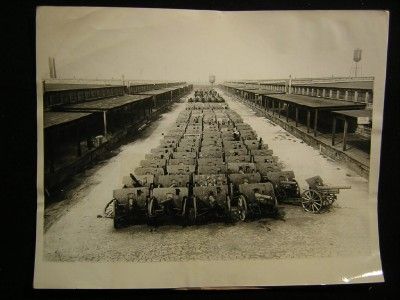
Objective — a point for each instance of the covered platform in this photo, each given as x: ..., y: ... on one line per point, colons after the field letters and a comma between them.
x: 72, y: 132
x: 357, y: 91
x: 51, y: 87
x: 295, y: 113
x: 52, y: 119
x: 163, y: 96
x: 254, y: 93
x: 360, y: 117
x: 359, y: 85
x: 117, y: 112
x: 309, y: 105
x: 58, y: 94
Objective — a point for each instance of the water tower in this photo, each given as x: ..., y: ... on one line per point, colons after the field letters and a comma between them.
x: 356, y: 60
x: 211, y: 79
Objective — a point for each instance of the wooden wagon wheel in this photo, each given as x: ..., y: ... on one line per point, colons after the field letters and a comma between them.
x: 192, y: 212
x: 280, y: 194
x: 311, y: 201
x: 109, y: 209
x: 329, y: 199
x: 242, y: 207
x: 184, y: 202
x: 118, y: 222
x: 151, y: 210
x: 297, y: 188
x: 228, y: 203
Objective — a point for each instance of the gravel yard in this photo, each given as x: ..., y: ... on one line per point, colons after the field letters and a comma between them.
x: 75, y: 233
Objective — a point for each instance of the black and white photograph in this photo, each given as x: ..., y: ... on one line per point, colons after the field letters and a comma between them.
x: 181, y: 148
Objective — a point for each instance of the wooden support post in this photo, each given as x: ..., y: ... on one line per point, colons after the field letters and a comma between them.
x: 297, y: 115
x: 345, y: 134
x: 105, y: 123
x: 333, y: 130
x: 89, y: 142
x: 78, y: 141
x: 308, y: 120
x: 273, y: 107
x: 287, y: 112
x: 279, y: 109
x: 51, y: 145
x: 315, y: 122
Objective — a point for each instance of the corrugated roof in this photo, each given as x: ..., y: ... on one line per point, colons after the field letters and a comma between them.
x: 105, y: 104
x: 51, y: 118
x: 362, y: 85
x: 160, y: 91
x: 355, y: 113
x: 264, y: 92
x: 313, y: 102
x: 53, y: 87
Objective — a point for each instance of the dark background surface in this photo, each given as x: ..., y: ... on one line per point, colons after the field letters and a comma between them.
x: 18, y: 116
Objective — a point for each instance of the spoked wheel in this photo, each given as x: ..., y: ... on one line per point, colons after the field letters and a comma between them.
x: 228, y: 203
x: 109, y: 210
x: 151, y: 211
x: 311, y: 201
x: 184, y: 205
x: 118, y: 221
x: 228, y: 210
x: 297, y: 193
x: 280, y: 194
x: 192, y: 212
x: 329, y: 199
x: 242, y: 208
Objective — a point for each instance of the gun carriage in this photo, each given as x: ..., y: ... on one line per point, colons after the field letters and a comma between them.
x: 169, y: 198
x: 235, y: 175
x: 210, y: 197
x: 154, y: 163
x: 129, y: 205
x: 255, y: 144
x: 210, y: 154
x: 319, y: 196
x: 285, y: 185
x: 237, y: 158
x: 213, y: 169
x: 238, y: 200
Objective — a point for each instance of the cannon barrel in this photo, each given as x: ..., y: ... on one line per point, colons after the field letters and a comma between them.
x: 335, y: 187
x: 288, y: 182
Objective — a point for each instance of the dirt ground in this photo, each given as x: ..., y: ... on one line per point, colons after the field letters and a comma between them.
x: 74, y: 232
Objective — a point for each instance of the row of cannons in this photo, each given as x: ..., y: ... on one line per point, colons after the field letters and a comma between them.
x: 212, y: 165
x: 205, y: 96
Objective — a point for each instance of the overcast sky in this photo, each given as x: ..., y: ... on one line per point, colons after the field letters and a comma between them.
x: 189, y: 45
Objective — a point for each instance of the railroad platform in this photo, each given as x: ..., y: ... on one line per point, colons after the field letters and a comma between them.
x: 355, y: 158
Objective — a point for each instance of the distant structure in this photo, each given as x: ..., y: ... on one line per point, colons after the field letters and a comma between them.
x: 211, y: 79
x: 52, y: 67
x: 356, y: 60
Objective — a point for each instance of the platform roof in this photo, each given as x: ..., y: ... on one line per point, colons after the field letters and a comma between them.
x: 247, y: 89
x: 55, y: 87
x: 264, y: 92
x: 160, y: 91
x: 317, y: 103
x: 233, y: 85
x: 52, y: 118
x: 361, y: 85
x: 355, y: 113
x: 105, y: 104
